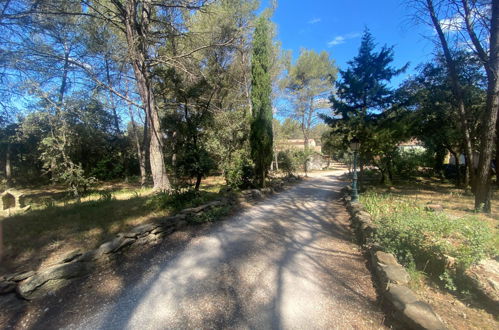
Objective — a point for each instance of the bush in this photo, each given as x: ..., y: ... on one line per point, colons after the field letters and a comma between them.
x: 426, y: 239
x: 212, y: 215
x: 239, y: 172
x: 408, y: 162
x: 178, y: 200
x: 286, y: 163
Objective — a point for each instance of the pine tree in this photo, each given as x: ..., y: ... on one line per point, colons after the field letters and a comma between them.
x: 362, y: 101
x: 261, y: 125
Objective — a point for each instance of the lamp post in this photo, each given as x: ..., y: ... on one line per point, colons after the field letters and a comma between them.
x: 355, y: 145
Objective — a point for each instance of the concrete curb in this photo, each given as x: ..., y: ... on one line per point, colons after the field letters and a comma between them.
x: 392, y: 278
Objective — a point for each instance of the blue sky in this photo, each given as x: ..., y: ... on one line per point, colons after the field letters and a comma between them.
x: 336, y: 26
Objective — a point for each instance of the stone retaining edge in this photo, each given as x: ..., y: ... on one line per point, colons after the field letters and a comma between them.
x: 391, y: 277
x: 36, y: 284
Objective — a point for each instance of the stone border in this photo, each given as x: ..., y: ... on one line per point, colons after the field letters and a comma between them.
x: 36, y: 284
x: 392, y: 278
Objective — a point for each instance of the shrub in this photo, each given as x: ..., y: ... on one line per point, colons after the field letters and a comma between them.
x: 179, y: 199
x: 286, y: 163
x: 239, y: 172
x: 408, y: 162
x: 212, y: 215
x: 428, y: 239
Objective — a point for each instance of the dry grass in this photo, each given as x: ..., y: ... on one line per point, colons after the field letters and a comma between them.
x: 456, y: 202
x: 56, y: 225
x: 459, y: 311
x: 455, y: 313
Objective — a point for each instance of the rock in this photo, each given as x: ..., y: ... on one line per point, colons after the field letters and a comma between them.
x: 151, y: 238
x: 57, y: 274
x: 267, y: 191
x: 400, y: 296
x: 395, y: 274
x: 87, y: 256
x: 139, y: 230
x: 163, y: 230
x: 256, y: 194
x: 423, y: 316
x: 72, y: 255
x: 142, y: 240
x: 201, y: 208
x: 193, y: 210
x: 128, y: 235
x: 416, y: 313
x: 12, y: 199
x: 114, y: 245
x: 17, y: 277
x: 110, y: 246
x: 362, y: 214
x: 384, y: 258
x: 389, y: 270
x: 368, y: 231
x: 145, y: 228
x: 484, y: 277
x: 356, y: 208
x: 434, y: 208
x: 7, y: 287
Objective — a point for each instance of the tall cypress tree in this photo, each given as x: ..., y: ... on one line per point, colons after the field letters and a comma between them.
x: 261, y: 124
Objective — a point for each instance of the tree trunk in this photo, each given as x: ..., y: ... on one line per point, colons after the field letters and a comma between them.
x: 456, y: 89
x: 483, y: 192
x: 458, y: 172
x: 497, y: 152
x: 137, y: 48
x: 140, y: 151
x: 276, y: 161
x: 1, y: 240
x: 198, y: 182
x: 8, y: 165
x: 65, y: 70
x: 111, y: 100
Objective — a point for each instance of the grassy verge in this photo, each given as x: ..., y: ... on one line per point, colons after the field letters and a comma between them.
x: 56, y: 225
x: 440, y: 244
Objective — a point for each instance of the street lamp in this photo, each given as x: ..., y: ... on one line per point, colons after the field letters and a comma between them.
x: 355, y: 145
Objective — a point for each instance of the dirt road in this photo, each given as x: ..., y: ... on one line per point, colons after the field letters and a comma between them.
x: 287, y: 262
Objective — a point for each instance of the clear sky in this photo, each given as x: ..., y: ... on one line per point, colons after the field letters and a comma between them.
x: 336, y: 26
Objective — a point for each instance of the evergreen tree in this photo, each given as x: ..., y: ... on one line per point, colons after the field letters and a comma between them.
x: 261, y: 90
x: 363, y: 104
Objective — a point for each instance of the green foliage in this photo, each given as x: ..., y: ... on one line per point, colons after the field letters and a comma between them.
x: 307, y: 85
x: 366, y: 108
x: 239, y: 172
x: 286, y: 163
x: 261, y: 136
x: 427, y: 239
x: 179, y: 200
x: 106, y: 196
x: 436, y: 121
x: 212, y: 215
x: 407, y: 163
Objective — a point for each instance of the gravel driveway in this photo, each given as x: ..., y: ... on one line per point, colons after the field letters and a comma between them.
x: 286, y: 263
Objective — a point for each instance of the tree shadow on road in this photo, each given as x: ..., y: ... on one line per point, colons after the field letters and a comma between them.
x: 249, y: 271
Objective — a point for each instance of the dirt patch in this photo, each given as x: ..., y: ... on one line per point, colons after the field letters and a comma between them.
x: 454, y: 312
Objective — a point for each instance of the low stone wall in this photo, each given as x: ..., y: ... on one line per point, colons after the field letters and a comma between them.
x: 36, y: 284
x: 484, y: 279
x: 392, y: 277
